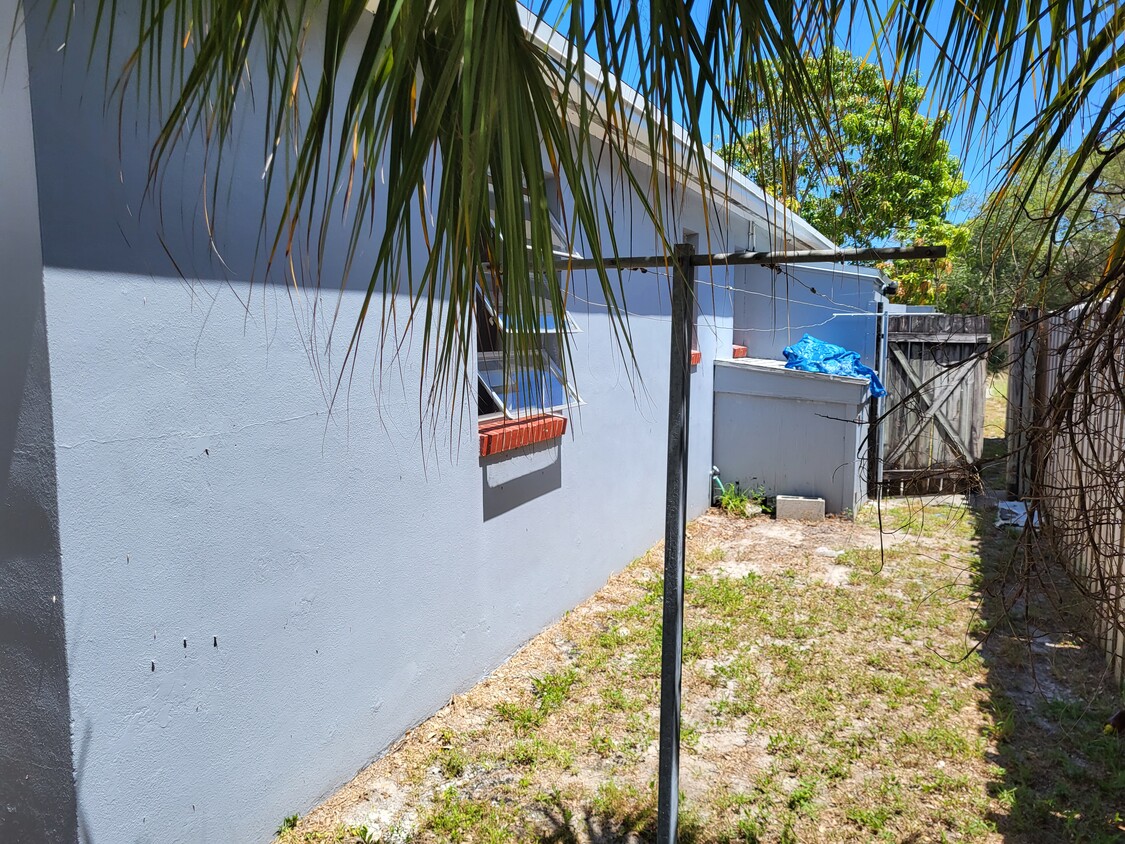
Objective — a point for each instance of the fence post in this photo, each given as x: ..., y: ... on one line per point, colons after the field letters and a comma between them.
x: 874, y: 452
x: 675, y: 530
x: 1022, y: 354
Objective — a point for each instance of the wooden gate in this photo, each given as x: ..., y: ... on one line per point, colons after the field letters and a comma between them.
x: 934, y: 420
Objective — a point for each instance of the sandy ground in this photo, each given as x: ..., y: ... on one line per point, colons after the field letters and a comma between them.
x: 588, y: 769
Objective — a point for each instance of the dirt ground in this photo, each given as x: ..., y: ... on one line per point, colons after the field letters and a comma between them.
x: 891, y: 678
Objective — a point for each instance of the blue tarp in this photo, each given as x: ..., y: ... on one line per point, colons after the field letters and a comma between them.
x: 812, y: 355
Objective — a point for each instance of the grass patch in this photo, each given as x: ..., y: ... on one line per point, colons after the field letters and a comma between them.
x: 455, y: 818
x: 814, y: 711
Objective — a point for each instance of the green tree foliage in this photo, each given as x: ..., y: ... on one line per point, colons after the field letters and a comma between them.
x: 1019, y: 254
x: 876, y: 169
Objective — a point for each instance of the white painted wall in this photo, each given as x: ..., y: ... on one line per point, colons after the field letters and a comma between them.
x: 832, y: 302
x: 335, y: 578
x: 791, y: 432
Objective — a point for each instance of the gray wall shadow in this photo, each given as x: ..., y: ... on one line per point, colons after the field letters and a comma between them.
x: 516, y: 477
x: 36, y: 771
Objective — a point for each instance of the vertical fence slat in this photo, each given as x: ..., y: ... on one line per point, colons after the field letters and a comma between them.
x: 943, y: 352
x: 1076, y: 462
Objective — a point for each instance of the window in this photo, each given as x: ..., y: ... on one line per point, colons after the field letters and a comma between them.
x: 522, y: 390
x: 548, y: 322
x: 558, y: 233
x: 535, y: 386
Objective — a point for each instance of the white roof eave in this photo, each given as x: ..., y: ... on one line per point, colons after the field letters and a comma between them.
x: 728, y: 183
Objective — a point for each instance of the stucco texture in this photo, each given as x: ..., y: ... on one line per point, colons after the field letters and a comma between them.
x: 261, y: 595
x: 37, y: 800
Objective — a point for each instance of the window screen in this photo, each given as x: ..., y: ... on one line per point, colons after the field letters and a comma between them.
x: 524, y: 389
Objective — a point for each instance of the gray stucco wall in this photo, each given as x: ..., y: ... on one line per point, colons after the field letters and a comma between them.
x: 795, y: 433
x: 262, y: 597
x: 832, y: 302
x: 36, y: 777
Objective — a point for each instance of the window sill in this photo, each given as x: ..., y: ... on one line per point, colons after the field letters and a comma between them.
x: 500, y: 435
x: 696, y: 357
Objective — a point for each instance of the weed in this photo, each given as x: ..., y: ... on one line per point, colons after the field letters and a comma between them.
x: 689, y: 735
x: 1003, y: 724
x: 874, y: 818
x: 714, y: 555
x: 748, y: 831
x: 785, y: 744
x: 734, y: 499
x: 942, y: 783
x: 522, y: 718
x: 625, y: 806
x: 538, y: 751
x: 551, y: 689
x: 721, y: 595
x: 290, y: 822
x: 602, y: 744
x: 455, y: 818
x: 553, y: 799
x: 802, y: 796
x: 453, y: 763
x: 616, y: 699
x: 365, y: 835
x: 943, y: 741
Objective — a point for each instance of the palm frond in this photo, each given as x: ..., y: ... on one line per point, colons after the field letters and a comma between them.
x: 398, y: 117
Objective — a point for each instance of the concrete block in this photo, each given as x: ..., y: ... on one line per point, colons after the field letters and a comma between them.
x: 796, y: 507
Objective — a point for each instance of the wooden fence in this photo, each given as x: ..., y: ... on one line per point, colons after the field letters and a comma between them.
x: 936, y: 385
x: 1068, y: 461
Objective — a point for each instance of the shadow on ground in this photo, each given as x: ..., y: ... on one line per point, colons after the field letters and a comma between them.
x: 1056, y: 776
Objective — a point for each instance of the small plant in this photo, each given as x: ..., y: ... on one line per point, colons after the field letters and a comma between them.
x: 288, y: 823
x: 453, y: 763
x: 454, y: 817
x: 802, y: 796
x: 550, y: 692
x: 551, y: 689
x: 764, y: 502
x: 742, y: 501
x: 602, y: 744
x: 523, y: 719
x: 363, y: 834
x: 733, y: 498
x: 749, y: 831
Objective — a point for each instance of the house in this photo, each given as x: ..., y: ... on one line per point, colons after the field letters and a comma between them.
x: 220, y: 600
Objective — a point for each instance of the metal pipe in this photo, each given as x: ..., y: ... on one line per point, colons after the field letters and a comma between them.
x: 675, y: 536
x: 795, y: 256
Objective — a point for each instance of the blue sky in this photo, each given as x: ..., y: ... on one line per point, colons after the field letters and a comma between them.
x: 980, y: 148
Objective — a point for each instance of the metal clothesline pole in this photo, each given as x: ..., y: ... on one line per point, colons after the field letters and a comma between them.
x: 675, y: 539
x: 683, y: 261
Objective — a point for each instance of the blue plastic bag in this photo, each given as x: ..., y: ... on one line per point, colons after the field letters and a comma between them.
x: 812, y: 355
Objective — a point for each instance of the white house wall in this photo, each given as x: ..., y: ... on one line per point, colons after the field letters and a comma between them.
x: 791, y: 433
x: 833, y: 302
x: 259, y: 597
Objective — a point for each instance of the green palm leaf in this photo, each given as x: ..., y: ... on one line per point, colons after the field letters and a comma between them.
x: 396, y: 116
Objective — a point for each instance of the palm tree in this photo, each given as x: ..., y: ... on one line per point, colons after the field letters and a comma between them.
x: 417, y: 112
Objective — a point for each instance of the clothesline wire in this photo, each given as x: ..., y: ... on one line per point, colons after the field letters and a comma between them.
x: 732, y: 289
x: 713, y: 326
